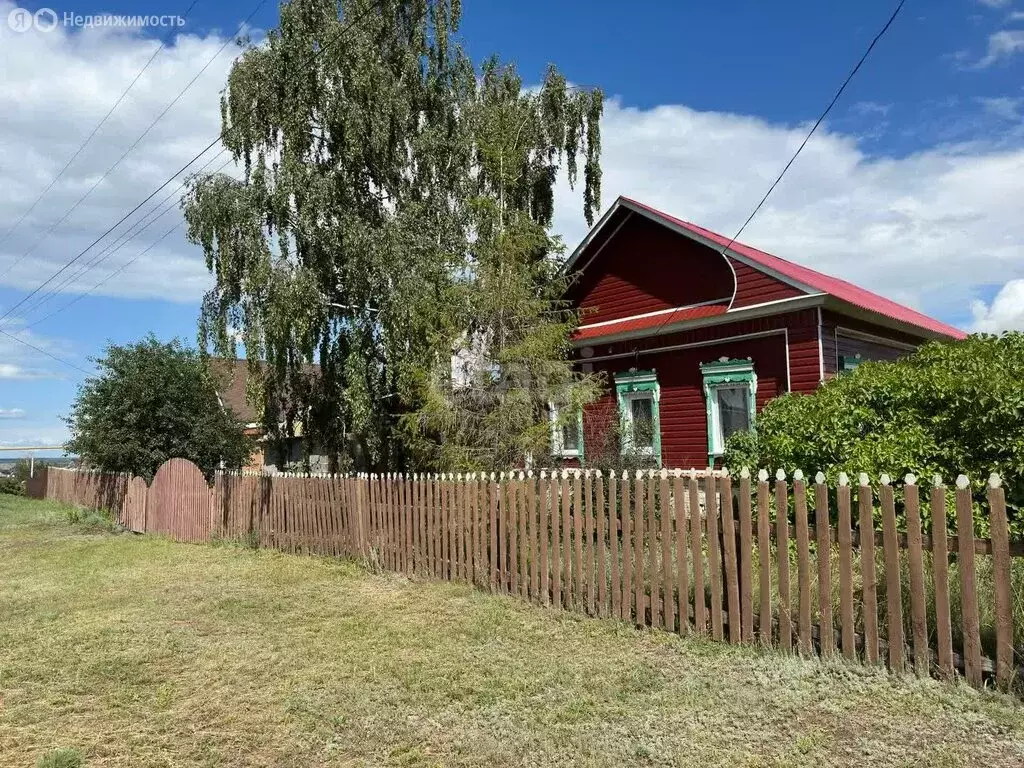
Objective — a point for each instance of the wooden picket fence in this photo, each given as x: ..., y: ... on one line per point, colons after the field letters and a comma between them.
x: 742, y: 559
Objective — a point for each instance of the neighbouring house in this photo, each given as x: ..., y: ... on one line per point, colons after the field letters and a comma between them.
x: 695, y: 337
x: 232, y: 378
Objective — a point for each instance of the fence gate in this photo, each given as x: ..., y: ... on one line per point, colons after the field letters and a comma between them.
x: 178, y: 502
x: 133, y: 513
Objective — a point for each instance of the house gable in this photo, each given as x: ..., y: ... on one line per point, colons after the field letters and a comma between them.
x: 641, y: 267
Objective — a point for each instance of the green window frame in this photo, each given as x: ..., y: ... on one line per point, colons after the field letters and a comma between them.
x: 726, y: 374
x: 639, y: 385
x: 558, y: 447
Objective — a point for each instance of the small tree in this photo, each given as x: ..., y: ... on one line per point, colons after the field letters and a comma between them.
x: 153, y: 402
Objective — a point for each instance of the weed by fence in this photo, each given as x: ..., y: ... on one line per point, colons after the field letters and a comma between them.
x: 785, y: 564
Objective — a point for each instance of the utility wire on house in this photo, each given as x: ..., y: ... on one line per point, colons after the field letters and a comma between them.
x: 92, y: 134
x: 128, y: 151
x: 319, y: 52
x: 803, y: 144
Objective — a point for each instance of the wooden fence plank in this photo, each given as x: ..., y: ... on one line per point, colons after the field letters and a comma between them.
x: 424, y: 562
x: 465, y: 531
x: 845, y: 568
x: 697, y: 558
x: 559, y: 493
x: 531, y: 506
x: 627, y: 550
x: 940, y: 570
x: 601, y: 510
x: 614, y: 527
x: 409, y: 542
x: 1001, y: 577
x: 782, y: 551
x: 821, y: 527
x: 566, y: 553
x: 732, y: 584
x: 451, y: 526
x: 682, y: 546
x: 668, y: 603
x: 746, y: 560
x: 513, y: 533
x: 545, y: 497
x: 577, y: 534
x: 524, y: 538
x: 430, y: 486
x: 503, y: 532
x: 589, y: 564
x: 398, y: 505
x: 893, y: 588
x: 639, y: 552
x: 803, y: 564
x: 968, y: 584
x: 493, y: 561
x: 919, y: 622
x: 764, y: 557
x: 652, y: 568
x: 869, y: 600
x: 714, y: 555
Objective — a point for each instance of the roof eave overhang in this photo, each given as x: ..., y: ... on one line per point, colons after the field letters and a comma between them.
x: 847, y: 309
x: 732, y: 316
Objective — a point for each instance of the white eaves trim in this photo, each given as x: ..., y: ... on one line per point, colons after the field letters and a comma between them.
x: 732, y: 316
x: 655, y: 313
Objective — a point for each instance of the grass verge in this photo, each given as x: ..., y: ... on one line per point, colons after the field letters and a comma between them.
x: 134, y: 651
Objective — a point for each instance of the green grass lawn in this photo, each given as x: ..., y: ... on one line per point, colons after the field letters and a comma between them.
x: 135, y: 651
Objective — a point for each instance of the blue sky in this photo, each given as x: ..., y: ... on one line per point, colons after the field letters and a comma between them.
x: 910, y: 179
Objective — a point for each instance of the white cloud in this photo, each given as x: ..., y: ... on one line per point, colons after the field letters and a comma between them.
x: 1002, y: 45
x: 1016, y: 16
x: 22, y: 362
x: 12, y: 413
x: 1002, y: 107
x: 56, y: 87
x: 870, y: 108
x: 995, y: 3
x: 929, y: 229
x: 1005, y: 312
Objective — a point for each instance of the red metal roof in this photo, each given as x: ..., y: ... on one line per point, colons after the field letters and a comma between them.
x: 840, y: 289
x: 649, y: 321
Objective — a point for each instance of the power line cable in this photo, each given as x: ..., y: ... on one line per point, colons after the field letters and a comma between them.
x: 95, y: 130
x: 134, y: 144
x: 803, y: 144
x: 130, y: 234
x: 120, y: 269
x: 319, y: 52
x: 44, y: 352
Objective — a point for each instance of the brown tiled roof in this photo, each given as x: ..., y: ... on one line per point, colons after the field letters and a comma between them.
x: 231, y: 377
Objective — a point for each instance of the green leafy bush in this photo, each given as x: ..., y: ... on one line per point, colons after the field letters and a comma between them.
x: 949, y: 409
x: 12, y: 486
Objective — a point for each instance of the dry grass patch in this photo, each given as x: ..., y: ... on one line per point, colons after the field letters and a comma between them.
x: 137, y: 651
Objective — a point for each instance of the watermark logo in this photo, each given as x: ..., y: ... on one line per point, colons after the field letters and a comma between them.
x: 46, y: 20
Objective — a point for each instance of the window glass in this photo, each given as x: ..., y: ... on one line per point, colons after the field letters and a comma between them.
x: 733, y: 410
x: 570, y: 435
x: 642, y: 418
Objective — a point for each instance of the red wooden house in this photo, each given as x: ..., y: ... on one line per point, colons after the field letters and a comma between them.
x: 695, y: 337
